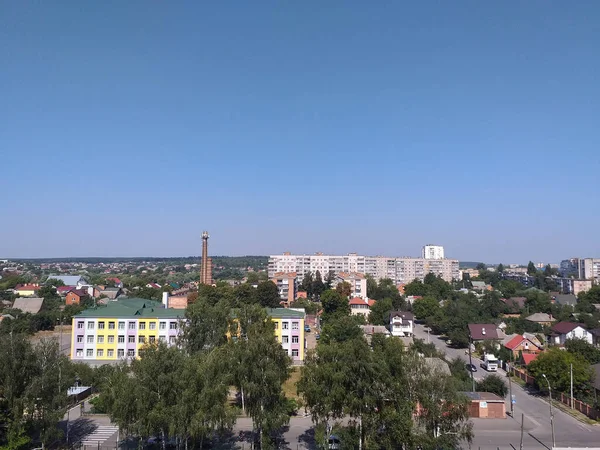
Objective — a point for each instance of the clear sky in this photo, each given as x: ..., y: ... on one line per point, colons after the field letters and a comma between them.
x: 128, y: 127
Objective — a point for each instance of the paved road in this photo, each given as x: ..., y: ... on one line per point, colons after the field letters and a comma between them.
x: 569, y: 431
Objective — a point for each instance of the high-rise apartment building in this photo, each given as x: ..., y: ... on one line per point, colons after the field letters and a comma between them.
x: 589, y: 269
x: 399, y: 270
x: 432, y: 252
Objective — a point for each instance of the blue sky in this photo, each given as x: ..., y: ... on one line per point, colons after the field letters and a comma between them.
x: 127, y: 128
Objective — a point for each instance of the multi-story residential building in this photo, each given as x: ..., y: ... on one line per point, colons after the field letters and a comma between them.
x: 581, y: 286
x: 357, y: 282
x: 287, y: 285
x: 432, y: 252
x: 399, y: 270
x: 470, y: 272
x: 289, y: 329
x: 589, y: 269
x: 121, y: 328
x: 569, y: 267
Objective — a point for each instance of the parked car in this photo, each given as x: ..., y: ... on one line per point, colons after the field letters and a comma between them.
x: 307, y: 328
x: 317, y: 336
x: 471, y: 368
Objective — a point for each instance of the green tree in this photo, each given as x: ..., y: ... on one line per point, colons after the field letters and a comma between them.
x: 531, y: 269
x: 341, y: 328
x: 261, y: 367
x: 494, y: 384
x: 252, y: 278
x: 317, y: 285
x: 344, y: 289
x: 206, y: 326
x: 268, y: 294
x: 425, y: 307
x: 415, y: 288
x: 334, y: 304
x: 584, y: 349
x: 307, y: 284
x: 54, y: 282
x: 556, y: 365
x: 380, y: 312
x: 481, y: 267
x: 500, y: 268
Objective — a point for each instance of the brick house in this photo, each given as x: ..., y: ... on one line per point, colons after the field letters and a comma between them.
x: 485, y: 405
x: 521, y: 343
x: 75, y: 296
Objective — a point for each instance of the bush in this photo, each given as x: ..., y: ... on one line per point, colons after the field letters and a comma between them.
x: 494, y: 384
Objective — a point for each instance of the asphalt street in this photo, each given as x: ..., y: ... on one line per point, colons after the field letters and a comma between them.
x: 569, y: 432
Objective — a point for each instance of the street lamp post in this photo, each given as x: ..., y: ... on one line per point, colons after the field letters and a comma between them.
x: 471, y: 364
x: 551, y: 413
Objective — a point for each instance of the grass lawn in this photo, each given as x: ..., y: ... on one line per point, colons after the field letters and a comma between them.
x: 289, y: 387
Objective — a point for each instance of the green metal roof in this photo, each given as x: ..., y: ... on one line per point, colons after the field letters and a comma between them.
x: 284, y: 313
x: 131, y: 308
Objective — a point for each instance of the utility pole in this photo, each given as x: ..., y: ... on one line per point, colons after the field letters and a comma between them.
x: 471, y: 365
x: 522, y: 426
x: 551, y: 414
x: 510, y: 390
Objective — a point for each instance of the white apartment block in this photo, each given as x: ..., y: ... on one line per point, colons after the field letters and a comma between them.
x: 589, y: 269
x: 432, y: 252
x: 399, y: 270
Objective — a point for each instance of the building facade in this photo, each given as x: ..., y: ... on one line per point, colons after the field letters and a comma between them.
x: 119, y: 330
x: 432, y: 252
x: 289, y: 330
x: 589, y: 269
x: 357, y: 282
x: 399, y: 270
x: 287, y: 285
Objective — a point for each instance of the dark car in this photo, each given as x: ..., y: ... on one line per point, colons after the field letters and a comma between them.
x: 471, y: 367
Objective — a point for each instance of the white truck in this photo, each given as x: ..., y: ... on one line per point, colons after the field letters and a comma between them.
x: 490, y: 363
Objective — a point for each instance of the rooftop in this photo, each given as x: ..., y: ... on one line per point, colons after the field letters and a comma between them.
x: 131, y: 308
x: 540, y: 317
x: 485, y: 396
x: 284, y: 313
x: 30, y: 305
x: 483, y: 331
x: 565, y: 327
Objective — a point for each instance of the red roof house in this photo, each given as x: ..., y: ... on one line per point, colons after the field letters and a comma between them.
x: 528, y: 358
x: 522, y: 344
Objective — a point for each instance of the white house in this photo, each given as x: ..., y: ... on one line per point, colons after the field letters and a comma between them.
x: 401, y: 323
x: 562, y: 331
x: 361, y: 306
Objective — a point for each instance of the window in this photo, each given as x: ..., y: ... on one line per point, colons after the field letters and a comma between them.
x: 111, y: 325
x: 111, y: 339
x: 100, y: 353
x: 120, y: 353
x: 295, y: 325
x: 89, y: 353
x: 132, y: 325
x: 101, y: 325
x: 121, y: 339
x: 152, y: 339
x: 285, y: 340
x: 130, y: 352
x: 171, y: 339
x: 121, y: 325
x: 294, y: 339
x: 152, y: 325
x: 295, y: 352
x: 277, y: 325
x: 110, y: 353
x: 79, y: 339
x: 79, y: 353
x: 162, y: 339
x: 90, y: 339
x: 285, y: 325
x: 100, y: 339
x: 131, y: 339
x: 162, y: 326
x: 90, y: 325
x: 142, y: 325
x: 80, y: 325
x: 142, y: 339
x: 173, y: 325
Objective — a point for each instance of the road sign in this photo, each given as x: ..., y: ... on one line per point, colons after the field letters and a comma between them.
x: 514, y: 399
